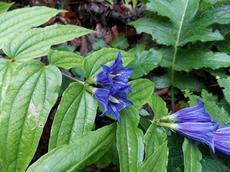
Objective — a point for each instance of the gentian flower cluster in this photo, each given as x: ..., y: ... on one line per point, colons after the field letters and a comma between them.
x: 196, y: 123
x: 114, y: 82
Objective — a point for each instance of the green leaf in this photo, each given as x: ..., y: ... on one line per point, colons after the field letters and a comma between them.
x: 144, y: 62
x: 154, y: 138
x: 120, y: 42
x: 225, y: 84
x: 224, y: 46
x: 7, y: 69
x: 128, y: 141
x: 192, y: 157
x: 23, y: 19
x: 93, y: 62
x: 142, y: 90
x: 75, y: 116
x: 217, y: 111
x: 25, y: 110
x: 76, y: 156
x: 4, y: 6
x: 157, y: 161
x: 176, y: 161
x: 158, y: 106
x: 187, y: 24
x: 188, y: 59
x: 37, y: 42
x: 211, y: 165
x: 65, y: 59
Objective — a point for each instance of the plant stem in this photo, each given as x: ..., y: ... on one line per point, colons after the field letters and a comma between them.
x: 74, y: 79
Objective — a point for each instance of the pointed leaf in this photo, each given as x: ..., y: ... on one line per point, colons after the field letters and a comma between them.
x: 93, y: 62
x: 144, y: 62
x: 154, y: 138
x: 23, y: 19
x: 25, y: 109
x: 37, y: 42
x: 65, y: 59
x: 75, y: 116
x: 127, y: 141
x: 192, y: 157
x: 142, y: 90
x: 76, y: 156
x: 188, y: 59
x: 4, y: 6
x: 157, y: 161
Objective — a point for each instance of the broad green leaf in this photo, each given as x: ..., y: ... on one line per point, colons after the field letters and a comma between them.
x: 7, y: 69
x: 188, y: 59
x: 93, y: 62
x: 182, y: 80
x: 144, y: 62
x: 128, y: 141
x: 24, y: 112
x: 225, y: 84
x: 23, y: 19
x: 142, y: 90
x: 192, y: 157
x: 157, y: 161
x: 75, y: 116
x: 187, y: 24
x: 120, y: 42
x: 37, y: 42
x: 158, y: 106
x: 76, y: 156
x: 154, y: 138
x: 224, y: 46
x: 4, y: 6
x: 65, y: 59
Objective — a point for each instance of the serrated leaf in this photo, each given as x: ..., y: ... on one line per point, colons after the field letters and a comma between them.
x: 192, y: 157
x: 188, y: 59
x: 225, y: 84
x: 144, y: 62
x: 157, y: 161
x: 65, y: 59
x: 93, y: 62
x: 128, y: 141
x: 37, y: 42
x: 158, y: 106
x: 76, y: 156
x: 23, y: 19
x: 142, y: 90
x: 154, y: 138
x: 187, y: 24
x: 75, y: 116
x: 25, y: 110
x: 4, y: 6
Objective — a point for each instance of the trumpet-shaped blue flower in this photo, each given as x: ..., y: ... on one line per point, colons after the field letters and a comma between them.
x: 199, y: 131
x: 192, y: 114
x: 115, y: 75
x: 112, y: 100
x: 222, y: 139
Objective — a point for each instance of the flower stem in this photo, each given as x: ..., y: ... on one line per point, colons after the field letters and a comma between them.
x: 163, y: 124
x: 72, y: 78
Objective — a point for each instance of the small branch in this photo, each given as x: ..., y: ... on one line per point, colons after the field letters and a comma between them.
x: 74, y: 79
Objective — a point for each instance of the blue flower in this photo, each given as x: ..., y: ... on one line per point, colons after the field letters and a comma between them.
x: 199, y: 131
x: 115, y: 75
x: 112, y: 100
x: 191, y: 114
x: 222, y: 139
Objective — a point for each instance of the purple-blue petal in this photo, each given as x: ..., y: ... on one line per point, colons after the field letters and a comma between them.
x: 192, y: 114
x: 222, y: 139
x: 102, y: 95
x: 199, y: 131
